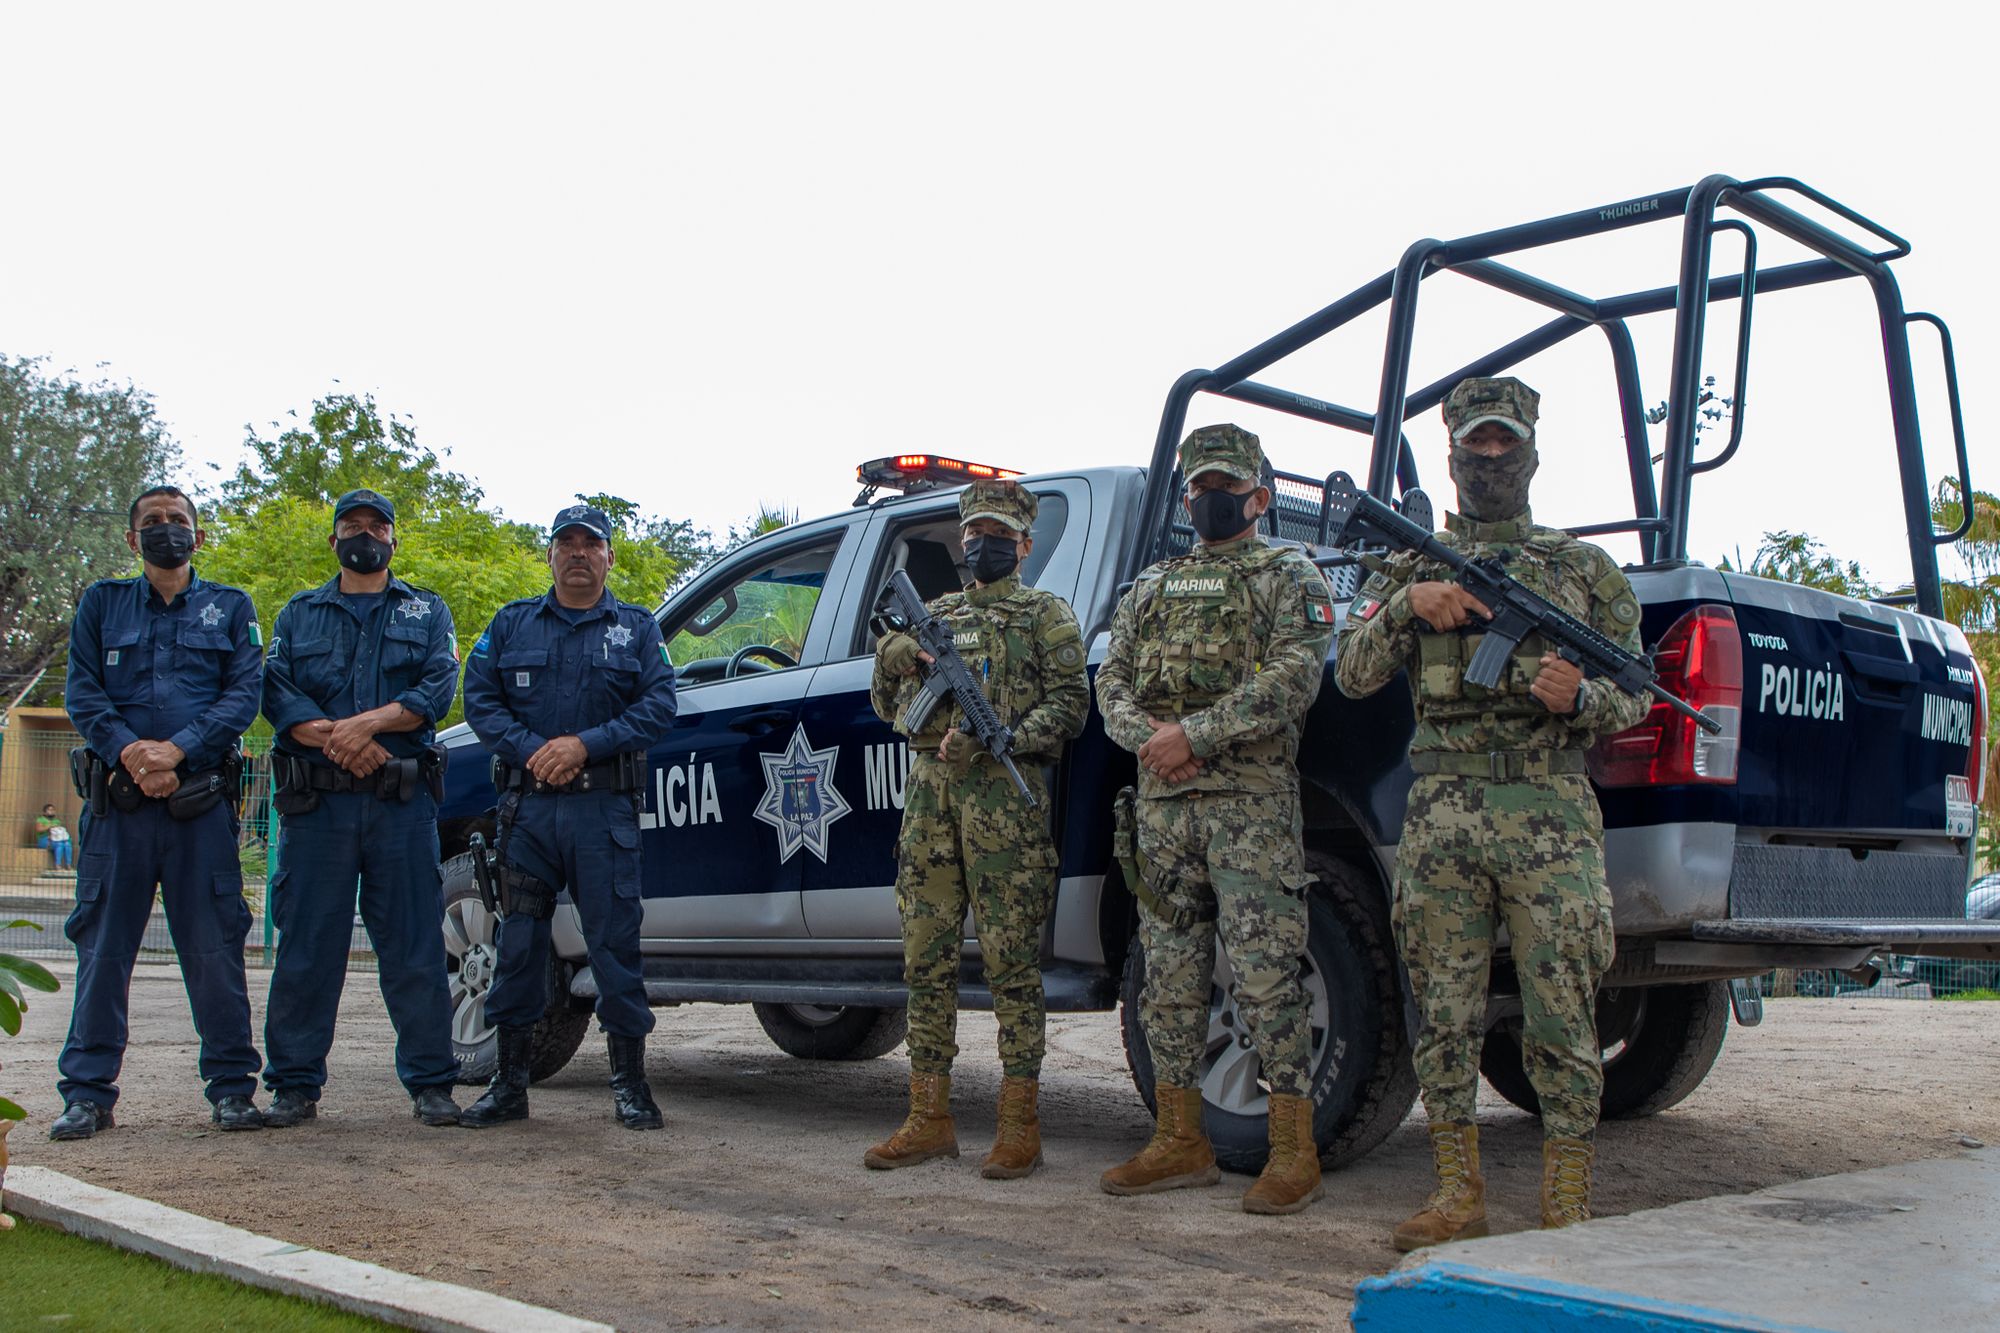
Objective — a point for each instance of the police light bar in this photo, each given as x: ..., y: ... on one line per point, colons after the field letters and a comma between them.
x: 915, y: 472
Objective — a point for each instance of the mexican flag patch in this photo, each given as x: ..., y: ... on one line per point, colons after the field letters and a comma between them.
x: 1364, y: 608
x: 1319, y: 611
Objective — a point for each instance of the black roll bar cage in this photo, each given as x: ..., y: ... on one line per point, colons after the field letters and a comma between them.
x: 1660, y: 519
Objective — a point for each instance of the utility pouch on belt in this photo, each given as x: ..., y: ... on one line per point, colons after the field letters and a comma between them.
x: 200, y: 793
x: 435, y: 757
x: 123, y: 792
x: 292, y: 793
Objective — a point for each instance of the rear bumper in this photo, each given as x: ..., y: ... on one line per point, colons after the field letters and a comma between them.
x: 1932, y: 939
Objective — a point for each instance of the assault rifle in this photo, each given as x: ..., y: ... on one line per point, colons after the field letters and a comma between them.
x: 902, y: 611
x: 1355, y: 516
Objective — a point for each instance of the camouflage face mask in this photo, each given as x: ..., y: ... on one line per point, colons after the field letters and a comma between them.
x: 1492, y: 489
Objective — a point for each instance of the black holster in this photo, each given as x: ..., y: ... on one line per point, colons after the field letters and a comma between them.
x: 87, y: 775
x: 291, y: 786
x: 523, y: 895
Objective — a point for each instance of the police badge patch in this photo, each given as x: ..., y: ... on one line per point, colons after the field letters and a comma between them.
x: 800, y: 800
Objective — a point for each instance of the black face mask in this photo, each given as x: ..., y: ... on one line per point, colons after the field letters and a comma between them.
x: 1219, y: 515
x: 992, y: 558
x: 363, y: 554
x: 166, y: 545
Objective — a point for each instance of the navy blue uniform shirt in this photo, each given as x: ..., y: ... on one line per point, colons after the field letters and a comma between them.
x: 143, y: 670
x: 331, y: 660
x: 542, y: 671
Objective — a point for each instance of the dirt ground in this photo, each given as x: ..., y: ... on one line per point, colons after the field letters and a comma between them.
x: 752, y: 1210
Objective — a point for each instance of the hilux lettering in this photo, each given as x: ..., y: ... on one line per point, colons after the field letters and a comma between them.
x: 1947, y: 720
x: 1959, y: 675
x: 1802, y: 692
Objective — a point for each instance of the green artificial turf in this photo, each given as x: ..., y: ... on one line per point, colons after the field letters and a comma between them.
x: 50, y: 1279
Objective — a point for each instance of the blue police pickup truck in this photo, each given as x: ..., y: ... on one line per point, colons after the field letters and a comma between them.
x: 1831, y: 820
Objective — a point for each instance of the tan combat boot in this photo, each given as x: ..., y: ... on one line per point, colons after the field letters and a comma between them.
x: 927, y: 1132
x: 1017, y: 1143
x: 1456, y: 1209
x: 1290, y: 1179
x: 1566, y: 1181
x: 1179, y: 1155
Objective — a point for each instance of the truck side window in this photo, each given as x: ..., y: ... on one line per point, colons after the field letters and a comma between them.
x: 929, y: 551
x: 769, y: 605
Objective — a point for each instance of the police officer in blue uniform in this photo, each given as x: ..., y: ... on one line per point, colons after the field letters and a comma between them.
x: 360, y: 670
x: 163, y: 677
x: 569, y: 690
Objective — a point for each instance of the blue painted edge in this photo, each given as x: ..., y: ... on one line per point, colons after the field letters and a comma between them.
x: 1437, y: 1294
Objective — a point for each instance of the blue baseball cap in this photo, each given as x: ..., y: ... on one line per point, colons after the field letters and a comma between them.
x: 581, y: 516
x: 364, y: 499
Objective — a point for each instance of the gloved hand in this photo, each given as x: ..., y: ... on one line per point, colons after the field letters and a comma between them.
x: 898, y: 654
x: 957, y: 748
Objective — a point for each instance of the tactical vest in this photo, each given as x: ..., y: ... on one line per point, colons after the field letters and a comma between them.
x: 1196, y: 642
x: 1442, y: 658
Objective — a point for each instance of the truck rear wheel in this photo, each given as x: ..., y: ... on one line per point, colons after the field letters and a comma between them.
x: 1362, y: 1082
x: 833, y: 1032
x: 1659, y: 1042
x: 471, y: 953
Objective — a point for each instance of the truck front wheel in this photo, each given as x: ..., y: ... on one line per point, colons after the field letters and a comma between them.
x: 1658, y: 1043
x: 1362, y: 1082
x: 471, y: 952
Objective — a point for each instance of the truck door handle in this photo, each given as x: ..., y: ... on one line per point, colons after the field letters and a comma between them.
x: 760, y: 723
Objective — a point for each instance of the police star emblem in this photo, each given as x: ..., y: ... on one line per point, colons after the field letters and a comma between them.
x: 414, y: 608
x: 800, y: 800
x: 211, y: 615
x: 618, y: 636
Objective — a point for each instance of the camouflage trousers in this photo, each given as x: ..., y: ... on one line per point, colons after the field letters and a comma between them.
x: 970, y: 841
x: 1530, y: 854
x: 1230, y: 863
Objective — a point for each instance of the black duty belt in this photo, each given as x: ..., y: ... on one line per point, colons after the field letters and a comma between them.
x: 622, y: 772
x: 1499, y: 765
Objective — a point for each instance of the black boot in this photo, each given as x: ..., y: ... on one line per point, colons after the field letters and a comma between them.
x: 632, y: 1100
x: 506, y: 1097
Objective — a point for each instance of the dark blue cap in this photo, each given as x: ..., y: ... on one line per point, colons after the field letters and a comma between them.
x: 581, y: 516
x: 364, y: 499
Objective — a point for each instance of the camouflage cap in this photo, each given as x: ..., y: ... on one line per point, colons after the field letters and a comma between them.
x: 1227, y: 449
x: 999, y: 499
x: 1473, y: 402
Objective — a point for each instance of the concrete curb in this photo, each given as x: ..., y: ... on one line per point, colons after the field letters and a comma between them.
x: 1905, y: 1246
x: 200, y: 1245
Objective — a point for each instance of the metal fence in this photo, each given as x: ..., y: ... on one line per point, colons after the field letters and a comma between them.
x: 34, y: 775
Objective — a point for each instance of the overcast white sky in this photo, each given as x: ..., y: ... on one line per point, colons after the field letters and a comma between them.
x: 706, y: 256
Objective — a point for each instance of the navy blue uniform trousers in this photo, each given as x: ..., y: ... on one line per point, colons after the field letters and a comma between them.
x: 193, y: 863
x: 391, y: 847
x: 588, y: 841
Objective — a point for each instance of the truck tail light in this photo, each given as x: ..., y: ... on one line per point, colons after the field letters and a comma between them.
x: 1975, y: 758
x: 1701, y: 660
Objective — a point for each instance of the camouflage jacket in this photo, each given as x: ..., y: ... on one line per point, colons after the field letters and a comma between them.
x: 1381, y: 638
x: 1230, y: 641
x: 1024, y: 646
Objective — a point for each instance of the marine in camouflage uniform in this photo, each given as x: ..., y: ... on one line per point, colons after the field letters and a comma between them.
x: 1502, y: 828
x: 971, y: 840
x: 1215, y: 657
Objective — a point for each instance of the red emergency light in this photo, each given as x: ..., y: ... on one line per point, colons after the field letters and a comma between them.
x: 912, y: 472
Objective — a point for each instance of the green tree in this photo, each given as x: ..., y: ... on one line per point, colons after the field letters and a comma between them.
x: 72, y: 456
x: 269, y: 536
x: 1796, y: 557
x: 346, y: 442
